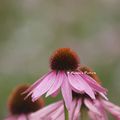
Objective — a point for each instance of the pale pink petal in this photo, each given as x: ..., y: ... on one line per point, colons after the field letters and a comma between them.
x: 93, y: 116
x: 61, y: 117
x: 34, y: 85
x: 90, y: 105
x: 78, y: 83
x: 66, y: 92
x: 103, y: 95
x: 58, y: 113
x: 112, y: 108
x: 44, y: 112
x: 93, y: 83
x: 74, y: 83
x: 57, y: 84
x: 55, y: 93
x: 72, y: 109
x: 44, y: 86
x: 77, y: 110
x: 99, y: 106
x: 22, y: 117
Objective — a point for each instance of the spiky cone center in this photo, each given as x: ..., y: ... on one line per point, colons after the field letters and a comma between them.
x: 64, y: 59
x: 17, y: 104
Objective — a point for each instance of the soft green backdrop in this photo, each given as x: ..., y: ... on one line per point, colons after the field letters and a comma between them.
x: 31, y: 29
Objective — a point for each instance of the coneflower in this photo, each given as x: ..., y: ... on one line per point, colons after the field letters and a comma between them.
x: 65, y: 77
x: 19, y: 108
x: 82, y: 106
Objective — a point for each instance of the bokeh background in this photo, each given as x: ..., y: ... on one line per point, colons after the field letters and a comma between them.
x: 30, y: 30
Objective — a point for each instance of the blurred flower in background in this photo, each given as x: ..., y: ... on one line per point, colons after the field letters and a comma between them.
x: 30, y: 30
x: 20, y: 108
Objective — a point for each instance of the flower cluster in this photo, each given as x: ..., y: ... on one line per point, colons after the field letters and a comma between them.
x: 83, y: 96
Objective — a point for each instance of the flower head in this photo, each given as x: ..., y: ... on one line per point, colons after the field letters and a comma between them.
x: 64, y: 59
x: 94, y: 109
x: 18, y: 106
x: 64, y: 77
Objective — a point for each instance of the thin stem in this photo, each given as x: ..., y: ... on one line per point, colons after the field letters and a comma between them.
x: 66, y: 113
x: 84, y: 115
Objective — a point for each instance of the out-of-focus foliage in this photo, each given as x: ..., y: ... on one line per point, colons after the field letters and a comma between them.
x: 31, y: 29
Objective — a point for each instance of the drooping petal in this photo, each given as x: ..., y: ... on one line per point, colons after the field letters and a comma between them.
x: 44, y: 86
x: 93, y: 83
x: 72, y: 109
x: 58, y: 113
x: 22, y: 117
x: 112, y: 108
x: 66, y: 92
x: 98, y: 104
x: 61, y: 117
x: 78, y: 83
x: 34, y: 85
x: 46, y: 111
x: 93, y: 116
x: 57, y: 83
x: 76, y: 115
x: 55, y: 93
x: 74, y: 84
x: 89, y: 104
x: 104, y: 96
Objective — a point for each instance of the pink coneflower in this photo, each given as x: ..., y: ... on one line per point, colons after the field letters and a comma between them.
x: 64, y: 76
x: 81, y: 108
x: 93, y: 109
x: 19, y: 109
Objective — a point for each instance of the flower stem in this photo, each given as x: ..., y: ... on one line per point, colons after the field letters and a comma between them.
x: 66, y: 113
x: 84, y: 115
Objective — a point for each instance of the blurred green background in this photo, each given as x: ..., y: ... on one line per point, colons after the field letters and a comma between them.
x: 31, y: 29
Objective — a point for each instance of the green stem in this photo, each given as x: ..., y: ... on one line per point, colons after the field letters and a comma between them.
x: 66, y: 113
x: 84, y: 115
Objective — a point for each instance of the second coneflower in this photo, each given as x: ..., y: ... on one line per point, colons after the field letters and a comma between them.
x: 19, y: 109
x: 82, y: 106
x: 64, y: 76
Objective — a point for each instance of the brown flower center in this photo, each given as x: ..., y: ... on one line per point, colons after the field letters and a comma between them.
x: 18, y: 105
x: 64, y: 59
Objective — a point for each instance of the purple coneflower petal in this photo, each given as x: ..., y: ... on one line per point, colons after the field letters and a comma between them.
x: 46, y: 111
x: 61, y: 117
x: 44, y: 86
x: 93, y: 116
x: 112, y: 108
x: 66, y: 92
x: 93, y: 83
x: 102, y: 94
x: 22, y: 117
x: 79, y: 84
x: 91, y: 107
x: 34, y: 85
x: 98, y: 104
x: 57, y: 83
x: 72, y: 109
x: 58, y: 113
x: 55, y: 93
x: 76, y: 115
